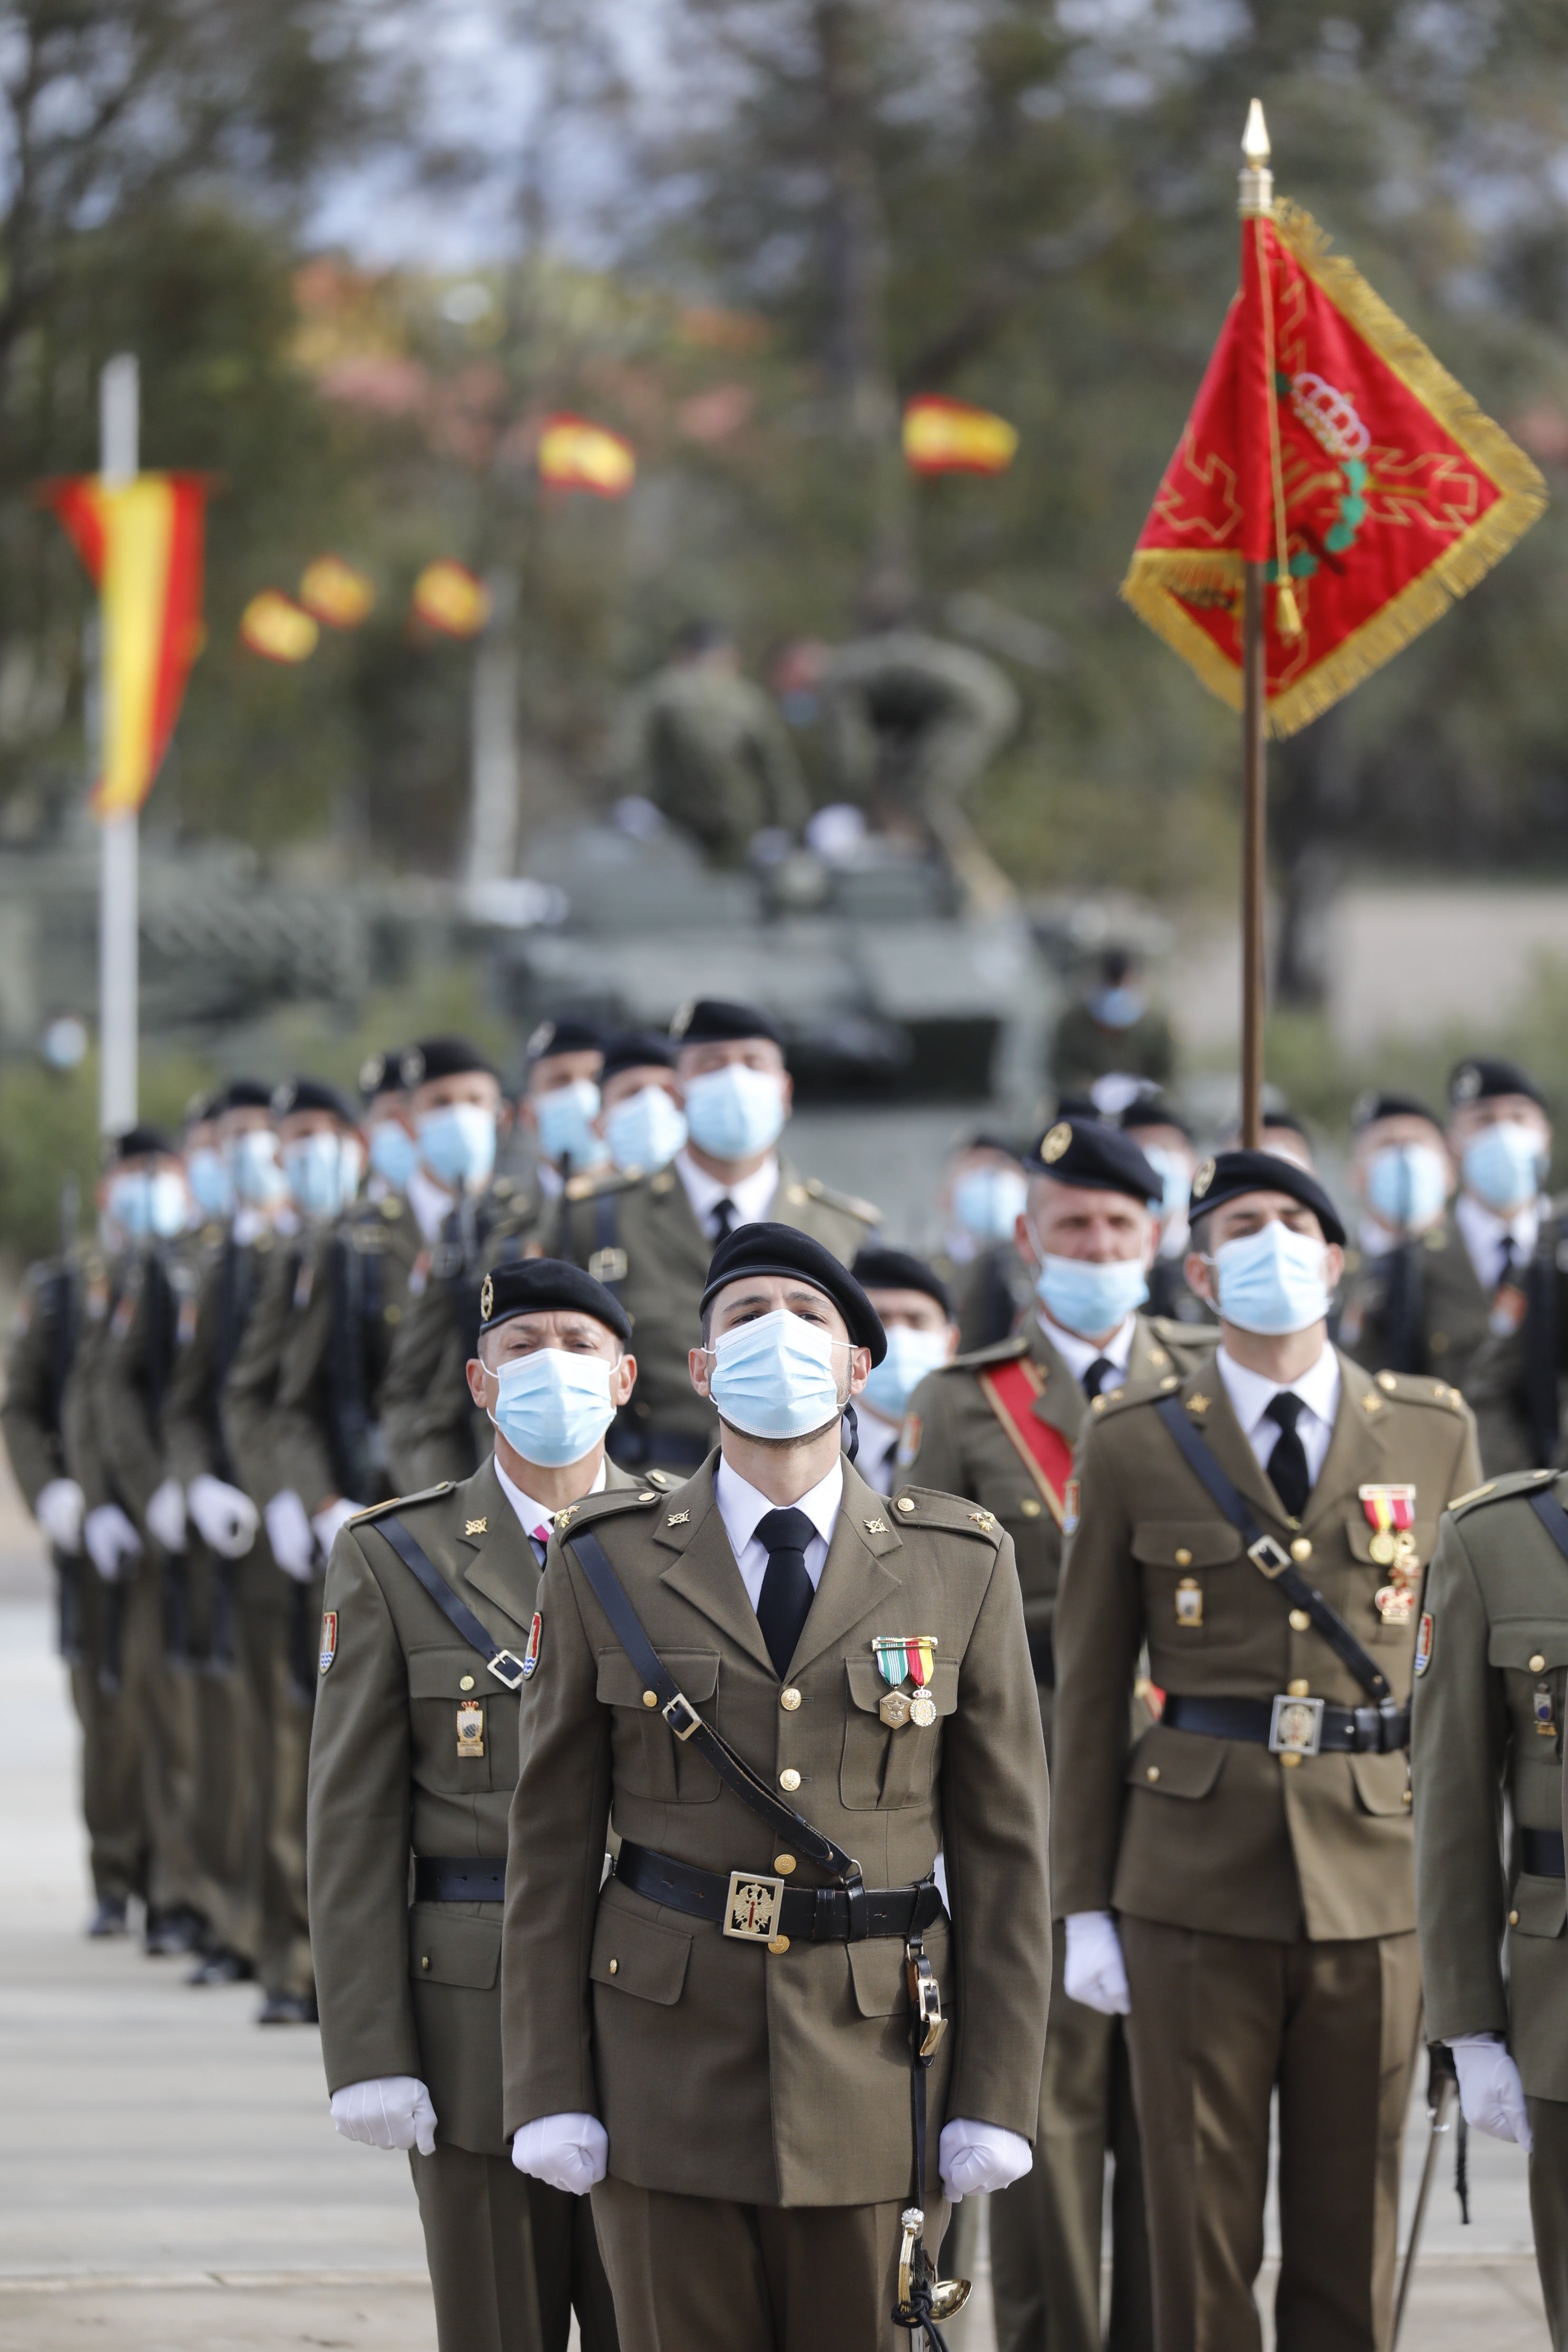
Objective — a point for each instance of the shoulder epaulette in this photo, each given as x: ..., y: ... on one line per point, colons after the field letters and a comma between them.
x: 811, y: 1188
x: 665, y: 1478
x: 927, y: 1506
x: 1498, y: 1490
x: 594, y: 1181
x: 1182, y: 1337
x: 1000, y: 1351
x: 609, y: 1498
x: 1133, y: 1393
x: 1416, y: 1388
x: 403, y: 1502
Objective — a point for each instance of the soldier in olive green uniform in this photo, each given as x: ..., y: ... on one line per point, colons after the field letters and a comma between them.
x: 46, y: 1344
x: 1092, y: 1202
x: 1237, y: 1882
x: 415, y: 1753
x: 709, y: 747
x: 1113, y: 1033
x: 706, y: 2042
x: 1166, y: 1143
x: 651, y: 1237
x: 1491, y: 1666
x: 981, y: 1199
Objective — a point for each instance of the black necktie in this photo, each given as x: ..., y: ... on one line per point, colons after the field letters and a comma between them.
x: 1099, y: 1372
x: 1505, y: 1264
x: 784, y: 1604
x: 724, y: 1219
x: 1288, y: 1463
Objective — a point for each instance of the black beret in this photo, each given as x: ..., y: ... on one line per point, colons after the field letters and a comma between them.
x: 784, y: 1249
x: 1481, y: 1077
x: 380, y: 1074
x: 1283, y: 1116
x: 311, y: 1093
x: 1229, y: 1174
x: 202, y: 1107
x: 877, y: 1268
x: 711, y: 1021
x: 246, y: 1094
x: 441, y: 1057
x: 1077, y: 1106
x: 1373, y: 1106
x: 983, y: 1140
x: 538, y: 1286
x: 564, y: 1036
x: 1154, y: 1110
x: 1086, y: 1152
x: 139, y: 1142
x: 636, y: 1049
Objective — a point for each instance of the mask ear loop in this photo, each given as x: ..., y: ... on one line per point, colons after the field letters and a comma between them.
x: 852, y: 1442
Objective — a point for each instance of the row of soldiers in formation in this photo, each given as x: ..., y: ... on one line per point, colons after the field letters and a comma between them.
x: 196, y: 1415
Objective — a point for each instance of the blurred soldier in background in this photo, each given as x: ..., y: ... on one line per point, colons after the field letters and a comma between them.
x: 914, y: 722
x: 392, y: 1148
x: 471, y: 1218
x: 1401, y: 1175
x: 915, y: 1311
x: 639, y: 1118
x: 709, y: 749
x: 1166, y: 1143
x: 982, y: 1200
x: 1111, y: 1042
x: 649, y: 1238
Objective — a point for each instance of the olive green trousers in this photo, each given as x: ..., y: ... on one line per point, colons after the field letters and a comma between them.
x: 510, y: 2259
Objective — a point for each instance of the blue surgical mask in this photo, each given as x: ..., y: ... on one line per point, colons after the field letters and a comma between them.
x: 565, y: 1116
x: 735, y: 1112
x: 1117, y: 1008
x: 206, y: 1173
x: 1505, y: 1165
x: 553, y: 1407
x: 645, y: 1131
x: 911, y: 1356
x: 148, y: 1205
x: 324, y: 1173
x: 778, y: 1377
x: 1084, y: 1297
x: 989, y: 1202
x: 1272, y: 1281
x: 393, y: 1153
x: 1407, y: 1185
x: 458, y: 1144
x: 1175, y: 1176
x: 257, y: 1172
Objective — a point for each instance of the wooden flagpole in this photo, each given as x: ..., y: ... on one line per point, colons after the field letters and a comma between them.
x: 1255, y: 201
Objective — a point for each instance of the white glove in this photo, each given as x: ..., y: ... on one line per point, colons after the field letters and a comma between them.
x: 289, y: 1533
x: 226, y: 1519
x: 166, y: 1514
x: 112, y: 1543
x: 976, y: 2159
x: 1095, y: 1973
x: 393, y: 2111
x: 329, y: 1518
x: 1490, y: 2092
x: 568, y: 2152
x: 59, y: 1511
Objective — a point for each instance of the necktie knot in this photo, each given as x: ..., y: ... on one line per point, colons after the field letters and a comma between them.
x: 724, y: 1219
x: 1099, y: 1372
x: 1285, y: 1407
x: 787, y: 1531
x: 1506, y: 1259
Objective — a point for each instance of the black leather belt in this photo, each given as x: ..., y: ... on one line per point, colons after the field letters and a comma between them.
x: 1360, y: 1730
x: 1043, y: 1658
x: 816, y: 1914
x: 1541, y: 1853
x: 441, y: 1878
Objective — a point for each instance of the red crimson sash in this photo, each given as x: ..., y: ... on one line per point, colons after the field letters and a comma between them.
x: 1010, y: 1391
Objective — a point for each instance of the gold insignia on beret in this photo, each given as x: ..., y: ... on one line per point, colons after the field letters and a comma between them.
x: 486, y: 1298
x: 476, y: 1527
x: 682, y: 1020
x: 541, y: 1041
x: 1467, y: 1083
x: 1059, y: 1140
x: 411, y: 1066
x: 1203, y: 1180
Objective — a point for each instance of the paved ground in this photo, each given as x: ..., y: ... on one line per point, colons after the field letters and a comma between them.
x: 168, y: 2178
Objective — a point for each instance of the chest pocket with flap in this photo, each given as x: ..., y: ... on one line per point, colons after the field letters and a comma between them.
x: 1514, y: 1644
x: 882, y: 1769
x: 650, y: 1760
x: 435, y: 1678
x: 1179, y: 1557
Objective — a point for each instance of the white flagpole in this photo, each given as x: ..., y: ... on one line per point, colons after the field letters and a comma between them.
x: 118, y: 974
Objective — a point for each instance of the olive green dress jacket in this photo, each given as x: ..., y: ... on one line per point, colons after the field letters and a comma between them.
x: 722, y: 2068
x: 1220, y: 1834
x: 411, y: 1988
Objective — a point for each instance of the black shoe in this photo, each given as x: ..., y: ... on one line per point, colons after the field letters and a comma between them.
x: 170, y: 1932
x: 109, y: 1918
x: 288, y: 2009
x: 222, y: 1968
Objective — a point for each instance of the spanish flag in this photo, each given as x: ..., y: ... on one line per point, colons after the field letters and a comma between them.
x: 446, y: 596
x: 948, y: 436
x: 141, y: 544
x: 576, y: 456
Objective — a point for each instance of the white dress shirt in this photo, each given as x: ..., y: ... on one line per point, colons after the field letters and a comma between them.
x: 1485, y: 1231
x: 878, y: 1444
x: 752, y: 1196
x: 533, y: 1515
x: 431, y: 1203
x: 1079, y: 1354
x: 1251, y: 1394
x: 740, y: 1507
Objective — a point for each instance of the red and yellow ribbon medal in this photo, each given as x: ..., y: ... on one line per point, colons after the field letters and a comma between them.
x: 899, y: 1655
x: 1390, y: 1514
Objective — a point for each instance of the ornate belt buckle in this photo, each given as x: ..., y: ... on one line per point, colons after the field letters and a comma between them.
x: 1296, y: 1728
x: 751, y: 1907
x: 1270, y: 1556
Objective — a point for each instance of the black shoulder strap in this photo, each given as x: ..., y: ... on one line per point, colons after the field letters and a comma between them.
x: 688, y: 1724
x: 503, y: 1663
x: 1552, y: 1517
x: 1271, y: 1557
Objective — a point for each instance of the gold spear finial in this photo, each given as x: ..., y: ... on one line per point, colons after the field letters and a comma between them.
x: 1256, y: 181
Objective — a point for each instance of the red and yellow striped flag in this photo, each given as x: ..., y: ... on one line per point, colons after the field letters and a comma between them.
x: 141, y: 544
x: 949, y: 436
x: 576, y: 456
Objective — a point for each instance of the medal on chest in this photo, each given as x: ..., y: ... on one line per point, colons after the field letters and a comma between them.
x: 1542, y: 1708
x: 899, y: 1655
x: 470, y: 1726
x: 1390, y: 1514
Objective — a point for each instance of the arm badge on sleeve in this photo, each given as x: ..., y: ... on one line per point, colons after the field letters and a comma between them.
x: 329, y: 1637
x: 1424, y: 1634
x: 530, y: 1656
